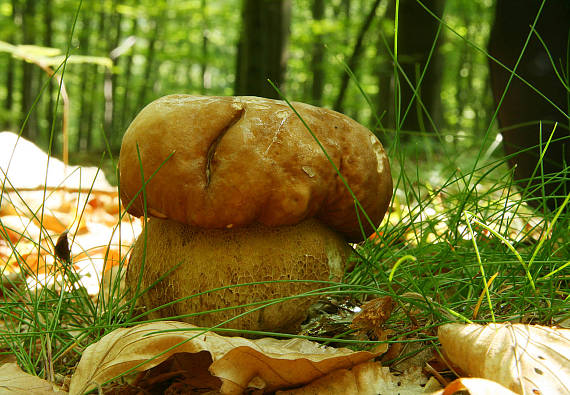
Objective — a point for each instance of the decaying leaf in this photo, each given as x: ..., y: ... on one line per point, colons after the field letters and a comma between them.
x: 373, y: 315
x: 266, y: 364
x: 368, y: 378
x: 16, y: 382
x: 474, y: 386
x: 181, y: 373
x: 528, y: 359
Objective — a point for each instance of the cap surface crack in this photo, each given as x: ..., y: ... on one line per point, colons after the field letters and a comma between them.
x: 212, y: 148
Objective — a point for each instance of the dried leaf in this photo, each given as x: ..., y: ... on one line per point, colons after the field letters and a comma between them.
x: 20, y: 228
x: 474, y: 386
x: 373, y: 315
x: 181, y: 370
x: 15, y: 381
x: 52, y: 223
x: 528, y: 359
x: 240, y: 363
x: 363, y: 379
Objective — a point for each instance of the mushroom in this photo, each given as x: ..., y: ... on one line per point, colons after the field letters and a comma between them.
x: 239, y: 191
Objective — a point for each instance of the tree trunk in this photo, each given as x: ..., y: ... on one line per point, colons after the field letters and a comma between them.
x: 48, y: 42
x: 204, y: 61
x: 126, y: 108
x: 28, y: 72
x: 523, y: 106
x: 355, y: 57
x: 262, y: 49
x: 111, y: 129
x: 10, y: 76
x: 86, y: 77
x: 93, y: 106
x: 149, y: 66
x: 317, y: 66
x: 417, y: 33
x: 384, y: 72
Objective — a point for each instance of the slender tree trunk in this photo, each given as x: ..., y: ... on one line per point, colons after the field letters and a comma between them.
x: 262, y: 49
x: 417, y: 33
x: 204, y: 60
x: 85, y: 105
x: 93, y: 104
x: 110, y: 85
x: 28, y: 72
x: 126, y: 108
x: 48, y: 42
x: 9, y: 102
x: 354, y: 58
x: 384, y: 72
x: 461, y: 93
x: 91, y: 114
x: 149, y: 66
x: 10, y: 75
x: 317, y: 66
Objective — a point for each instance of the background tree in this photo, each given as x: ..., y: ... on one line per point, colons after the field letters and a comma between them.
x: 27, y: 11
x: 527, y: 114
x: 262, y: 48
x: 318, y: 53
x: 144, y: 49
x: 356, y: 55
x: 419, y: 83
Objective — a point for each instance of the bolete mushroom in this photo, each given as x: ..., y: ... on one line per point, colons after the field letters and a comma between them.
x: 239, y: 191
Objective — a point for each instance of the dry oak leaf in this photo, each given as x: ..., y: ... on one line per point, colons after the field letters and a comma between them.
x: 526, y: 359
x: 266, y: 364
x: 15, y: 381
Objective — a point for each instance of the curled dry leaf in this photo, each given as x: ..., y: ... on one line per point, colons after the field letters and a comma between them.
x: 16, y: 382
x: 267, y: 364
x: 528, y: 359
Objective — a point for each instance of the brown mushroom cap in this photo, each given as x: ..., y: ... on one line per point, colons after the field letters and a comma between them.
x: 235, y: 161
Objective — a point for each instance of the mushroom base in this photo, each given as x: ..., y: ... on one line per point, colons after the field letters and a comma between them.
x: 214, y: 258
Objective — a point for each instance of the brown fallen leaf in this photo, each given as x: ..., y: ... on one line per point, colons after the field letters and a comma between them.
x: 368, y: 378
x: 266, y: 364
x: 179, y: 371
x: 528, y: 359
x: 372, y: 316
x: 15, y: 381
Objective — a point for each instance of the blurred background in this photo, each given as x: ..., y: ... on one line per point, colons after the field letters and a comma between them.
x: 339, y: 53
x: 124, y: 54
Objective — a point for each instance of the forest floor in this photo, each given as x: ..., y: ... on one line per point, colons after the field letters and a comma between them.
x: 456, y: 246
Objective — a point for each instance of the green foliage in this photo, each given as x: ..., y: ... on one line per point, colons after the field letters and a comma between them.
x: 190, y: 47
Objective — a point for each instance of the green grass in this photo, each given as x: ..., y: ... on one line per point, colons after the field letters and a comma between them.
x: 458, y: 244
